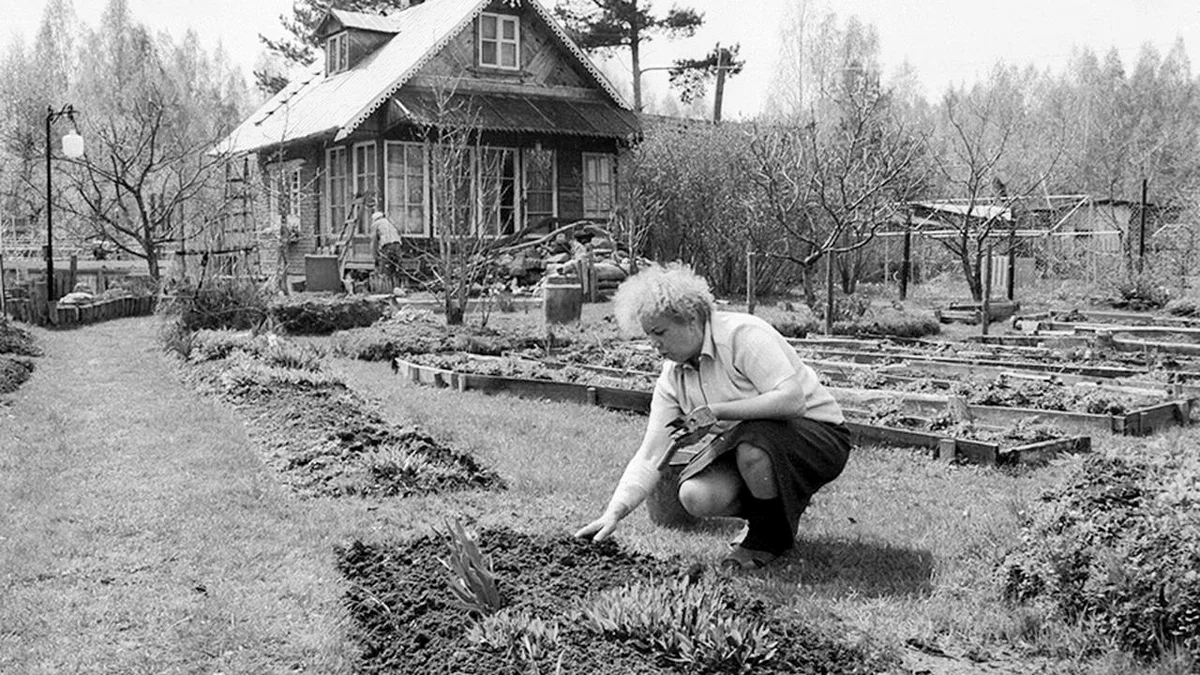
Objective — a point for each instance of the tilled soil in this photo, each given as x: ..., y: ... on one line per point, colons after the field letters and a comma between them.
x: 406, y: 622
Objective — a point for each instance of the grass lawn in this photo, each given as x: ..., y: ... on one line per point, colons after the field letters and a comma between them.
x: 141, y: 533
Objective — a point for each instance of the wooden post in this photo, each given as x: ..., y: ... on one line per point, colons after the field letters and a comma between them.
x: 1010, y: 290
x: 71, y: 273
x: 750, y: 291
x: 829, y: 305
x: 986, y: 317
x: 719, y: 96
x: 906, y: 262
x: 1141, y: 261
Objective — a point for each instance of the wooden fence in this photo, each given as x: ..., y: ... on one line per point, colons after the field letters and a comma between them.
x: 69, y: 316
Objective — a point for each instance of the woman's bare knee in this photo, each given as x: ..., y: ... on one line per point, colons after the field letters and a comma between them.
x: 754, y: 465
x: 704, y: 499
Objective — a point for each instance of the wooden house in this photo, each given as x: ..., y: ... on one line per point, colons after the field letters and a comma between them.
x: 360, y: 131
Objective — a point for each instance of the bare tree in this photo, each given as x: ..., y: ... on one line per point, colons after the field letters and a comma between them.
x: 985, y: 163
x: 468, y: 189
x: 827, y: 186
x: 140, y: 182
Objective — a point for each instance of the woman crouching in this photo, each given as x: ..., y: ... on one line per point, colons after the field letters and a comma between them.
x: 773, y: 435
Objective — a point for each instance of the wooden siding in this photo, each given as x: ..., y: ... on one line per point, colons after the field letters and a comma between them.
x: 544, y: 63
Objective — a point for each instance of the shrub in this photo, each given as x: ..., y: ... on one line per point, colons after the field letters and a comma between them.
x: 13, y: 373
x: 14, y: 340
x: 237, y: 304
x: 891, y: 321
x: 1139, y: 292
x: 1183, y: 307
x: 322, y: 315
x: 1116, y: 548
x: 796, y: 321
x: 691, y: 624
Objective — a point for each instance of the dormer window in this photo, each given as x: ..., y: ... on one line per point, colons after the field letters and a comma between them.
x: 499, y: 41
x: 337, y: 53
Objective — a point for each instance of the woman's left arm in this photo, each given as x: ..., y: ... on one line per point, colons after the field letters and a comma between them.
x: 761, y: 355
x: 785, y: 401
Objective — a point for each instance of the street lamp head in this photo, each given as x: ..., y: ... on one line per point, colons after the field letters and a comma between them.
x: 72, y: 145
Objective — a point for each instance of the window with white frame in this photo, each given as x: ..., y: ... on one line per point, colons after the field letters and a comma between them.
x: 294, y: 192
x: 366, y: 183
x: 406, y: 175
x: 497, y: 190
x: 337, y: 53
x: 598, y: 185
x: 336, y: 187
x: 499, y: 41
x: 539, y: 178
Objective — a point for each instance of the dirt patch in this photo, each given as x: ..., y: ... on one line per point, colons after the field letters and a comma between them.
x: 405, y: 622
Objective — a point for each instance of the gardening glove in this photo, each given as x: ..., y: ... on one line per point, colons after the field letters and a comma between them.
x: 690, y: 428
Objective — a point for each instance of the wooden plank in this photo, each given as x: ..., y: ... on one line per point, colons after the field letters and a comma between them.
x: 523, y: 388
x: 1036, y: 454
x: 623, y: 399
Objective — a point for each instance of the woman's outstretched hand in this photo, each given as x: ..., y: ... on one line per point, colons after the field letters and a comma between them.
x: 600, y: 528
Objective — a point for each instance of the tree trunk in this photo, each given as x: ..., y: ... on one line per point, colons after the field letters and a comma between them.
x: 810, y: 295
x: 635, y: 60
x: 454, y: 311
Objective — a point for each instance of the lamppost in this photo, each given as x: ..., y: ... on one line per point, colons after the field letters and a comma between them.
x: 72, y: 147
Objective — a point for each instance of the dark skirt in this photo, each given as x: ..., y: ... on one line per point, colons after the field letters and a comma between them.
x: 805, y: 456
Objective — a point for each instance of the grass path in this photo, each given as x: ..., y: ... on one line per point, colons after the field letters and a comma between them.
x: 139, y: 532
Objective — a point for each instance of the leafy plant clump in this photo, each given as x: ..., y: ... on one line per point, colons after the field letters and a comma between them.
x: 522, y: 639
x: 694, y: 625
x: 325, y: 314
x: 1116, y: 548
x: 470, y: 573
x: 13, y: 373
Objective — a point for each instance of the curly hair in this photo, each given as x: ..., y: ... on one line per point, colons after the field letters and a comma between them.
x: 673, y: 291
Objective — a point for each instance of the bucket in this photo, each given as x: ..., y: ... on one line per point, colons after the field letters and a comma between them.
x: 663, y: 505
x: 562, y: 298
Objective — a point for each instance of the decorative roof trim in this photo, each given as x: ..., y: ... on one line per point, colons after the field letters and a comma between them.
x: 579, y: 54
x: 438, y: 46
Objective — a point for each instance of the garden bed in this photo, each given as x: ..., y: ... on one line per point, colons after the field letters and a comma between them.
x: 320, y: 437
x: 551, y: 591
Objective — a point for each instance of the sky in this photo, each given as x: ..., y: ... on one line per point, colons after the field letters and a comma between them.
x: 947, y: 41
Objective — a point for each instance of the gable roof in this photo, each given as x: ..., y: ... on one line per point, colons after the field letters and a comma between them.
x: 315, y: 106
